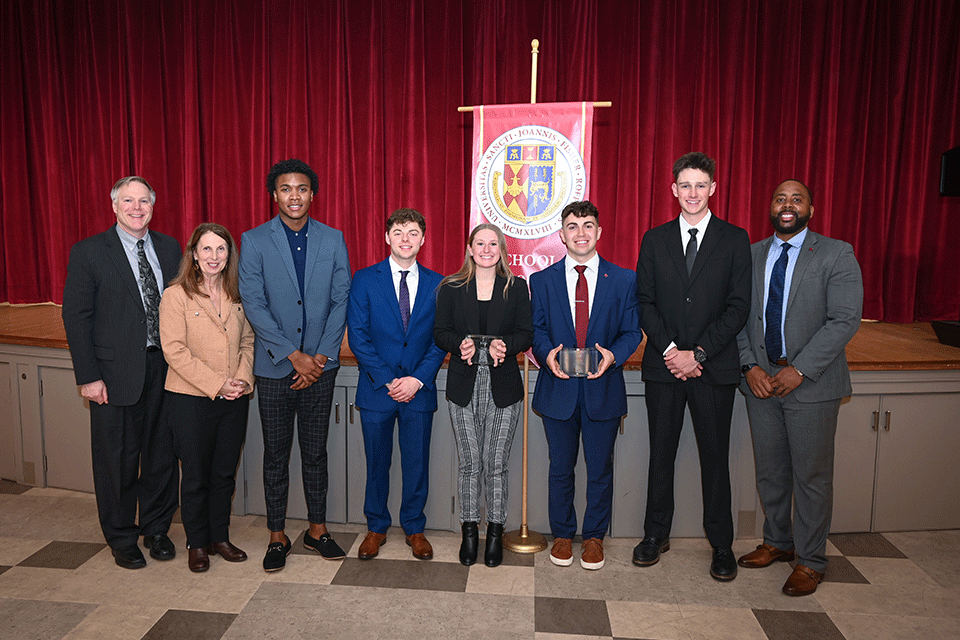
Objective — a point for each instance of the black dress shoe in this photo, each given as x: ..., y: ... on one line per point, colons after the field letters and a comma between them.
x: 198, y: 561
x: 129, y: 557
x: 493, y: 554
x: 470, y: 544
x: 724, y: 564
x: 161, y: 547
x: 647, y: 553
x: 277, y: 553
x: 324, y: 545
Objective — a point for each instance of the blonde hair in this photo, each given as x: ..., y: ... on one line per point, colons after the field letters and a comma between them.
x: 468, y: 270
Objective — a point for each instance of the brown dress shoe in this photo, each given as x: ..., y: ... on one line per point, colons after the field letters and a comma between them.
x: 227, y: 551
x: 764, y: 556
x: 421, y: 546
x: 802, y: 582
x: 198, y: 561
x: 370, y: 546
x: 591, y: 554
x: 562, y: 552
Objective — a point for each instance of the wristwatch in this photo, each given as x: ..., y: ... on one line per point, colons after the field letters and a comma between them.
x: 747, y: 367
x: 699, y: 354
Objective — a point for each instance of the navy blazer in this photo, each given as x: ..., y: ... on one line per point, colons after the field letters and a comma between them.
x: 271, y: 295
x: 458, y: 315
x: 614, y: 325
x: 382, y: 348
x: 103, y: 313
x: 705, y: 308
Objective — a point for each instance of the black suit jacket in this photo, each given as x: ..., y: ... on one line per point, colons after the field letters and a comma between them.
x: 103, y: 313
x: 458, y: 315
x: 708, y: 307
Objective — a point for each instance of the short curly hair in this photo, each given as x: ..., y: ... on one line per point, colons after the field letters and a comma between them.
x: 291, y: 166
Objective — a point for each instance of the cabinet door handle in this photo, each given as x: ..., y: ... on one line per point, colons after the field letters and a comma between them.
x: 876, y: 421
x: 351, y: 413
x: 886, y: 421
x: 336, y: 408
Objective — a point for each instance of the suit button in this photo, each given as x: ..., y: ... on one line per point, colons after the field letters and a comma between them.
x: 299, y: 301
x: 689, y: 300
x: 298, y: 330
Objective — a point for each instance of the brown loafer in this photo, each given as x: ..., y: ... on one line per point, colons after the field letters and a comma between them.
x: 198, y: 560
x: 802, y: 582
x: 562, y: 552
x: 227, y: 551
x: 591, y: 554
x: 421, y: 546
x: 370, y: 546
x: 764, y: 556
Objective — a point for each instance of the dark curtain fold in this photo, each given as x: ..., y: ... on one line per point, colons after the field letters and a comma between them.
x: 858, y: 99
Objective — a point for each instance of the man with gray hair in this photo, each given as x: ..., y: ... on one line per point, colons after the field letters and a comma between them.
x: 111, y: 303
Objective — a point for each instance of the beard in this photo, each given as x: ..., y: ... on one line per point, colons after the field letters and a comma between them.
x: 799, y: 222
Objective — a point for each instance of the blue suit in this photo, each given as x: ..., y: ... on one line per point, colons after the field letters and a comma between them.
x: 385, y: 352
x: 576, y: 405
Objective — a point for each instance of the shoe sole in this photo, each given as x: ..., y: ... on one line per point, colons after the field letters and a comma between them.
x: 663, y: 550
x: 591, y: 566
x: 560, y: 562
x: 787, y: 558
x: 716, y: 576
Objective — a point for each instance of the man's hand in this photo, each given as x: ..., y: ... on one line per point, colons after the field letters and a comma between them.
x: 682, y: 364
x: 498, y: 351
x: 467, y: 350
x: 605, y: 363
x: 553, y: 365
x: 94, y: 392
x: 786, y: 380
x: 403, y: 389
x: 308, y: 369
x: 759, y: 382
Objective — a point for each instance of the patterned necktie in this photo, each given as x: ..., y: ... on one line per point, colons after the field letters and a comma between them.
x: 582, y: 299
x: 151, y: 295
x: 404, y: 300
x: 691, y: 250
x: 774, y: 310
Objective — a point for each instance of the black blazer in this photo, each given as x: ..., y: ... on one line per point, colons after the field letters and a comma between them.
x: 103, y: 313
x: 708, y: 307
x: 458, y: 315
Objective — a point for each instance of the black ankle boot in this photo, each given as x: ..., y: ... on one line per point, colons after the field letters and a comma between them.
x: 470, y: 544
x: 493, y: 554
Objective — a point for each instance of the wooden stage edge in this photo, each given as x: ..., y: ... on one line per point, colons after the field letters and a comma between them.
x: 878, y: 346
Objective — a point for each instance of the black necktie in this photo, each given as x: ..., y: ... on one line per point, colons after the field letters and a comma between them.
x: 774, y: 311
x: 151, y: 295
x: 691, y: 250
x: 404, y: 300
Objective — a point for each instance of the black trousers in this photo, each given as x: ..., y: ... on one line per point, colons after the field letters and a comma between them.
x: 133, y: 463
x: 711, y: 407
x: 207, y: 438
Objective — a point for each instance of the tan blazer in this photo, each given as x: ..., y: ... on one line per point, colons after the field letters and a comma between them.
x: 201, y: 348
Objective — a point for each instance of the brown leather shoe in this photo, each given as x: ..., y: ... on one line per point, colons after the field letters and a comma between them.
x: 227, y: 551
x: 802, y: 582
x: 421, y: 546
x: 198, y: 561
x: 764, y: 556
x: 370, y: 546
x: 562, y: 552
x: 591, y: 554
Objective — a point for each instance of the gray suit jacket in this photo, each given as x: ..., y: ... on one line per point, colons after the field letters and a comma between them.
x: 823, y: 313
x: 271, y: 295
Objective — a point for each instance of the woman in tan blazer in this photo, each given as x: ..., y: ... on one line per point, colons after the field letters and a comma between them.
x: 208, y: 345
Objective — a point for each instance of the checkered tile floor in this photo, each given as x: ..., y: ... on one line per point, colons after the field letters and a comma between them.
x: 58, y: 580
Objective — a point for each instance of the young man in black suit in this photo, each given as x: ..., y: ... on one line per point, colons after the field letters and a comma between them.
x: 693, y: 285
x: 111, y: 303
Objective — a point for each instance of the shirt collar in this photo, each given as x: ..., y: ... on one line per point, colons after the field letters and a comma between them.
x: 700, y: 226
x: 396, y: 268
x: 795, y: 241
x: 593, y: 264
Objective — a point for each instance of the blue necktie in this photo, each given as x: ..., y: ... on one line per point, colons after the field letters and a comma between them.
x: 774, y: 311
x: 404, y: 300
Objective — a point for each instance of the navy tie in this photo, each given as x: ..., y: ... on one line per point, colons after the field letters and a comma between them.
x: 691, y: 250
x: 404, y: 300
x: 774, y: 311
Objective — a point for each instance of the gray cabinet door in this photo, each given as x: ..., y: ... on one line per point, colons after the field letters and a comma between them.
x: 855, y: 456
x: 65, y: 422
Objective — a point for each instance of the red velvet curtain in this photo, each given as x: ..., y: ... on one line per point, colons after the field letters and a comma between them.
x: 858, y: 99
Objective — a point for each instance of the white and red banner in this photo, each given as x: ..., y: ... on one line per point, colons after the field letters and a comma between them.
x: 529, y: 162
